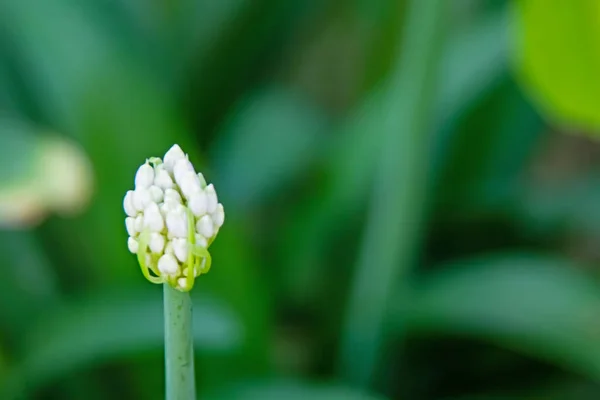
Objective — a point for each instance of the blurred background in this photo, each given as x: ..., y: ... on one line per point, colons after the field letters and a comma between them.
x: 411, y: 187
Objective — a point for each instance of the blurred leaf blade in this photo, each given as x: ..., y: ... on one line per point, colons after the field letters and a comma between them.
x: 537, y: 304
x: 130, y: 322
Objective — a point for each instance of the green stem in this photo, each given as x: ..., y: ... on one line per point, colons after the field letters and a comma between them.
x: 396, y: 210
x: 179, y: 345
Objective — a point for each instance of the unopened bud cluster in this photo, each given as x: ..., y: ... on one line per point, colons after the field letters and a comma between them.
x: 172, y: 218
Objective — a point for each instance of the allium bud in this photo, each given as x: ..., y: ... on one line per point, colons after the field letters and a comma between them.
x: 205, y: 226
x: 162, y: 179
x: 172, y: 156
x: 144, y: 176
x: 172, y: 218
x: 153, y: 220
x: 212, y: 200
x: 177, y: 223
x: 198, y: 203
x: 133, y: 245
x: 168, y: 265
x: 130, y: 209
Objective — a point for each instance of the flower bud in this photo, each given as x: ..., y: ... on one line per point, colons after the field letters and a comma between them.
x: 141, y: 198
x: 172, y: 196
x: 212, y: 200
x: 201, y: 241
x: 156, y: 194
x: 180, y: 248
x: 198, y: 203
x: 168, y: 265
x: 182, y: 283
x: 153, y: 220
x: 139, y: 223
x: 172, y: 156
x: 133, y: 245
x: 204, y: 226
x: 130, y: 210
x: 218, y: 216
x: 177, y: 222
x: 130, y: 225
x: 144, y: 176
x: 157, y: 243
x: 162, y: 179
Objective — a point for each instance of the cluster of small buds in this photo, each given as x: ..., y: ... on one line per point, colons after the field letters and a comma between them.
x: 172, y: 218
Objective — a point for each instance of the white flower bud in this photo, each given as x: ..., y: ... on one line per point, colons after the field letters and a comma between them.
x: 204, y: 226
x: 157, y: 243
x: 201, y: 241
x: 133, y: 245
x: 202, y: 180
x: 198, y: 203
x: 182, y: 282
x: 190, y: 185
x: 218, y: 216
x: 153, y: 220
x: 130, y: 210
x: 172, y: 196
x: 139, y: 223
x: 181, y: 168
x: 156, y: 193
x: 144, y: 176
x: 172, y: 156
x: 141, y: 198
x: 130, y: 225
x: 177, y: 222
x: 180, y: 248
x: 169, y: 248
x: 168, y: 265
x: 212, y: 198
x: 162, y: 179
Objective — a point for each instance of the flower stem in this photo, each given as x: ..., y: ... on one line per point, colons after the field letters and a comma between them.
x: 179, y: 345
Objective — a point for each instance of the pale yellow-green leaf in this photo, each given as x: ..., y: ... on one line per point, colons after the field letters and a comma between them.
x: 557, y: 58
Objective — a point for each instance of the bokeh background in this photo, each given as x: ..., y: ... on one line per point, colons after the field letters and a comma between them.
x: 411, y: 189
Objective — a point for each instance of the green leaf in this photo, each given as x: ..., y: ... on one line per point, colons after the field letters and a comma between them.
x: 108, y: 325
x: 541, y: 306
x: 558, y: 58
x: 290, y: 391
x: 271, y: 138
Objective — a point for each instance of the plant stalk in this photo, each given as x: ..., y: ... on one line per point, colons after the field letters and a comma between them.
x: 395, y: 217
x: 179, y: 345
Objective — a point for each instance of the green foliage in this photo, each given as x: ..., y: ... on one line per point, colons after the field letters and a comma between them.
x: 558, y: 58
x: 394, y: 228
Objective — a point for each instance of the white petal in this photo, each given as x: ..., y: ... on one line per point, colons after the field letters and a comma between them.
x: 156, y: 193
x: 172, y: 156
x: 141, y: 198
x: 198, y: 203
x: 168, y: 265
x: 180, y: 248
x: 128, y: 204
x: 153, y: 219
x: 144, y: 176
x: 133, y: 245
x: 130, y: 225
x: 173, y: 196
x: 157, y: 243
x: 205, y: 226
x: 169, y: 248
x: 201, y: 241
x: 177, y: 223
x: 218, y: 216
x: 162, y: 179
x: 212, y: 198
